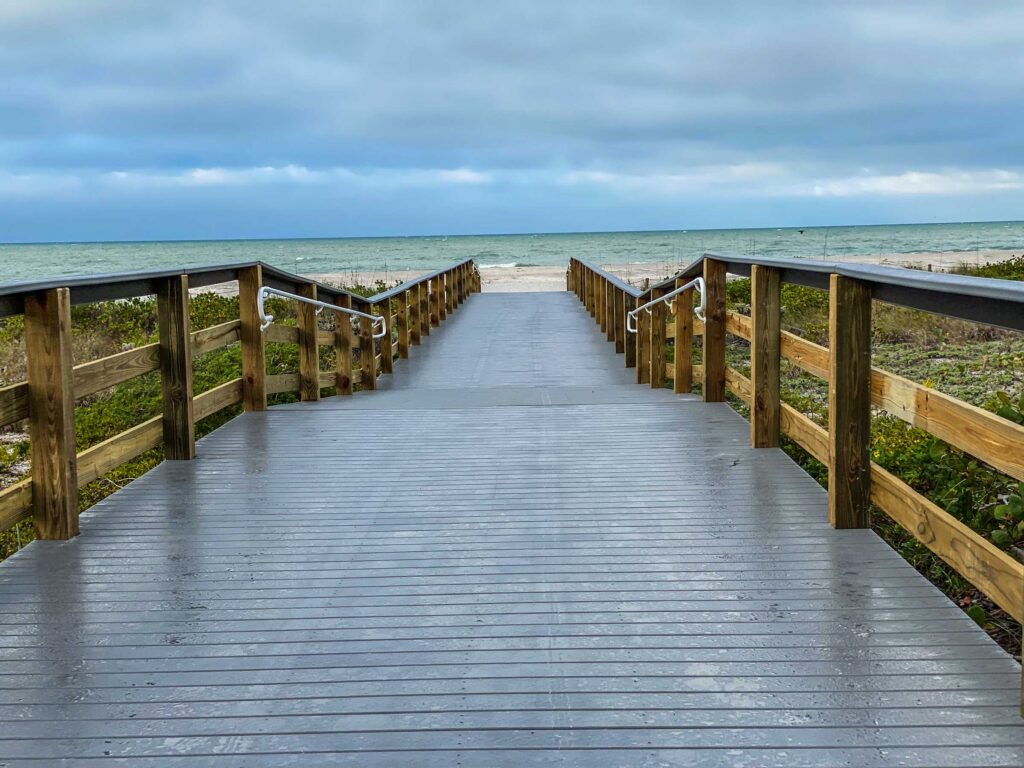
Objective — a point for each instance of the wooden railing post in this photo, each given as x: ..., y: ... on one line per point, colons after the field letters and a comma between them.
x: 609, y: 310
x: 424, y: 297
x: 402, y: 300
x: 254, y: 363
x: 449, y: 292
x: 414, y: 315
x: 51, y: 419
x: 631, y: 340
x: 387, y: 349
x: 442, y: 298
x: 309, y: 358
x: 602, y: 302
x: 176, y: 368
x: 435, y: 300
x: 460, y: 287
x: 765, y: 356
x: 343, y: 347
x: 657, y: 329
x: 367, y: 352
x: 643, y: 343
x: 682, y: 363
x: 619, y: 320
x: 714, y: 332
x: 849, y: 403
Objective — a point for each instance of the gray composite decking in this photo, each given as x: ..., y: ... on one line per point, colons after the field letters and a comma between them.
x: 509, y: 555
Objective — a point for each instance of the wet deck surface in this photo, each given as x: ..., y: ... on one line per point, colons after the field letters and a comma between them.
x: 510, y: 555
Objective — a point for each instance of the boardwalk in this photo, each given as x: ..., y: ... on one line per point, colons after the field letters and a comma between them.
x: 509, y: 555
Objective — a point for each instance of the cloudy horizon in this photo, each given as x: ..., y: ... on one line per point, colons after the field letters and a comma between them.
x: 223, y: 120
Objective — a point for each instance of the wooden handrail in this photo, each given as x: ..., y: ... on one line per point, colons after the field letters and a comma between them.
x: 854, y: 387
x: 47, y: 399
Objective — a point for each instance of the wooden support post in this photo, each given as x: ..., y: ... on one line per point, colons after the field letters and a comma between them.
x: 602, y: 300
x: 659, y: 312
x: 435, y: 300
x: 309, y: 358
x: 682, y: 364
x: 609, y: 312
x: 449, y: 292
x: 619, y: 320
x: 402, y: 300
x: 367, y: 352
x: 643, y: 344
x: 442, y: 297
x: 714, y: 332
x: 632, y: 340
x: 254, y: 362
x: 343, y: 347
x: 387, y: 349
x: 765, y: 356
x: 176, y: 368
x: 424, y: 294
x: 592, y: 285
x: 414, y: 315
x: 849, y: 403
x: 51, y: 420
x: 459, y: 295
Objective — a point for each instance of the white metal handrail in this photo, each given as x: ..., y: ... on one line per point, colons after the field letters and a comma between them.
x: 266, y: 320
x: 670, y: 297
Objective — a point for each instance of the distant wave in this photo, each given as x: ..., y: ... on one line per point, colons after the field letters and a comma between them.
x: 507, y: 265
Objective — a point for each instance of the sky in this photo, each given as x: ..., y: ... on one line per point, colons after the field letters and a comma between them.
x: 127, y: 120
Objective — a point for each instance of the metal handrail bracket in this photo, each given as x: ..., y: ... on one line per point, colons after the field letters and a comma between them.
x: 670, y: 298
x: 266, y: 320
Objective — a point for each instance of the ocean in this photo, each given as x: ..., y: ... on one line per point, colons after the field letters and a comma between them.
x: 389, y: 254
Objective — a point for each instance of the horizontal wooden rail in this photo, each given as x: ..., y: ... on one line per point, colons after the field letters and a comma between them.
x: 444, y: 289
x: 990, y: 438
x: 974, y: 430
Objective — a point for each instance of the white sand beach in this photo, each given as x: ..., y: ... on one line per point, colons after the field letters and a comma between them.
x: 515, y: 279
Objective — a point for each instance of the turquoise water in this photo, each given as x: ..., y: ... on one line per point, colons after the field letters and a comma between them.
x: 23, y: 262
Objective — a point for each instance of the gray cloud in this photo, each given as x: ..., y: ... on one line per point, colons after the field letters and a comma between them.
x: 842, y: 97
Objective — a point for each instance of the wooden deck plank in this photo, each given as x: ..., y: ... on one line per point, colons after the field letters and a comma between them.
x: 544, y: 579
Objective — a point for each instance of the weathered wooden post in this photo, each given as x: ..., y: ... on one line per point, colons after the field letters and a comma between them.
x: 343, y: 347
x: 367, y: 352
x: 449, y: 292
x: 632, y: 341
x: 176, y: 368
x: 402, y: 302
x: 643, y: 342
x: 254, y: 362
x: 51, y: 414
x: 714, y: 332
x: 619, y: 320
x: 849, y: 403
x: 435, y: 300
x: 682, y: 363
x: 414, y: 315
x: 309, y: 359
x: 387, y: 350
x: 657, y: 330
x: 609, y: 310
x: 765, y: 356
x: 424, y: 293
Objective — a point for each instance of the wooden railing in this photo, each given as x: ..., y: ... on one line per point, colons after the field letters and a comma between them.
x: 854, y: 385
x: 47, y: 399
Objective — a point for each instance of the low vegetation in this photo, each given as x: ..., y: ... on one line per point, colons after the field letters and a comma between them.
x: 108, y: 328
x: 979, y: 365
